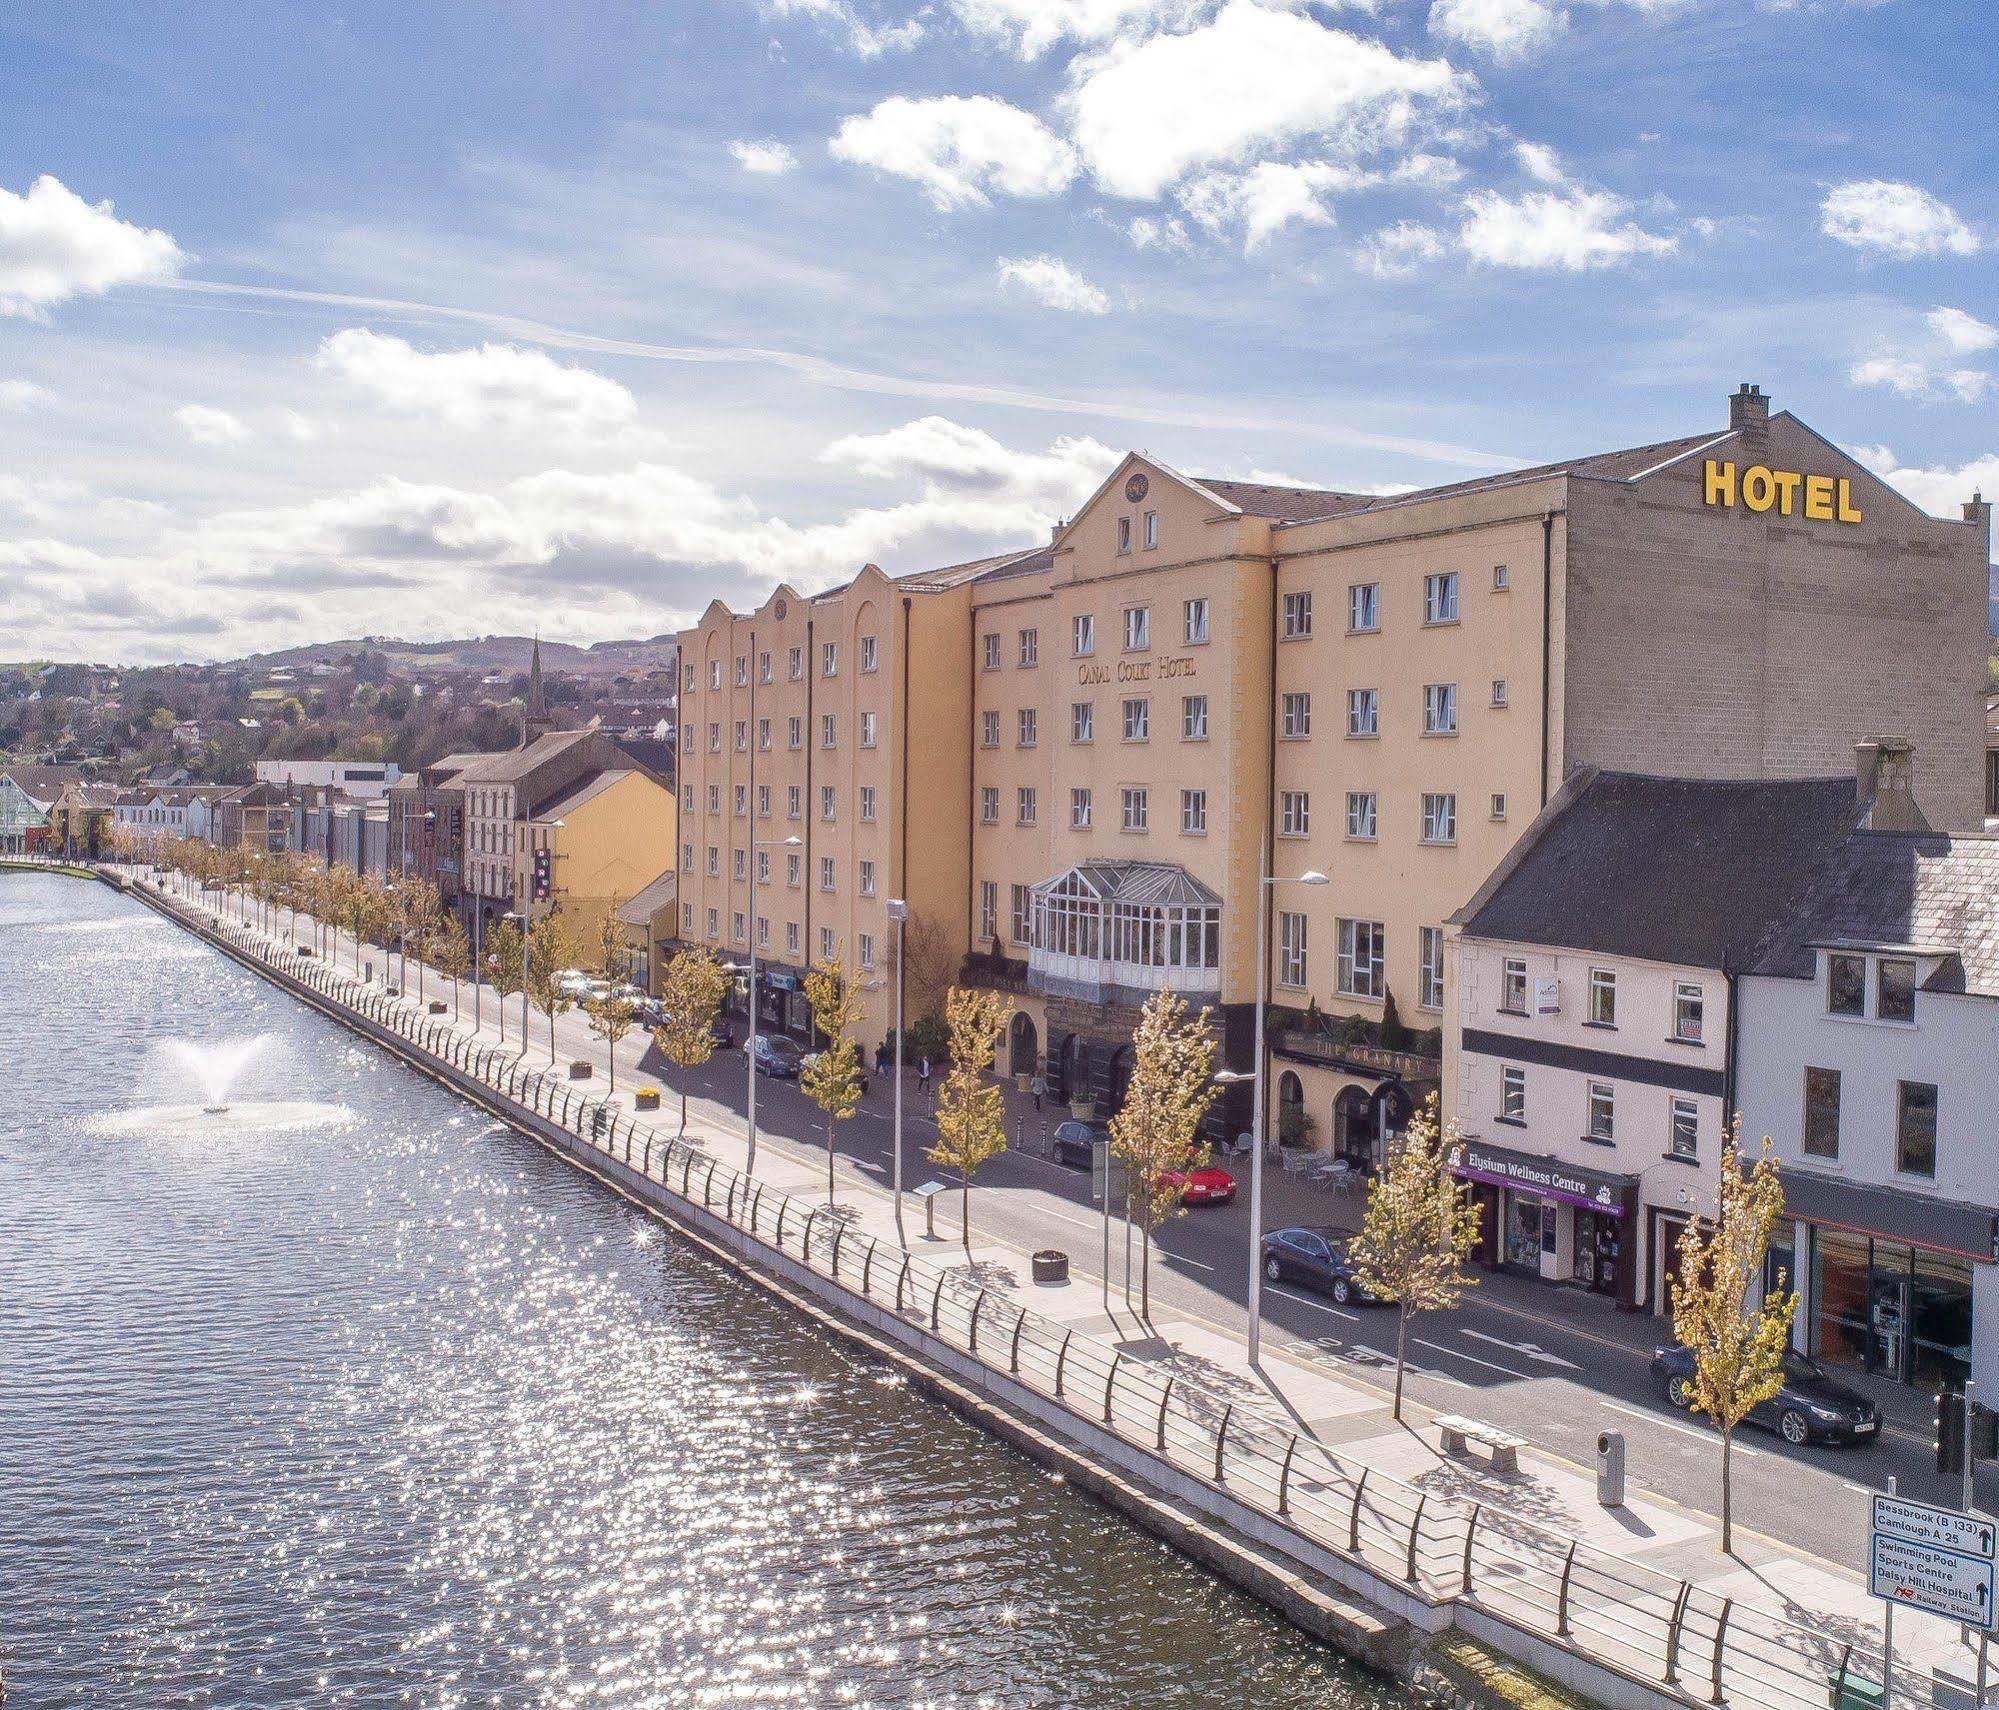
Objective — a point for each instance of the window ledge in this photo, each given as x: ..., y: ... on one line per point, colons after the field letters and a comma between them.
x: 1601, y: 1026
x: 1510, y: 1121
x: 1598, y: 1140
x: 1681, y: 1158
x: 1685, y: 1044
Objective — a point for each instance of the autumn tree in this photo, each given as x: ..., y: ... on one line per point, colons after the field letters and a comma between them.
x: 971, y: 1111
x: 833, y: 1079
x: 1157, y: 1135
x: 451, y: 950
x: 690, y: 998
x: 551, y: 954
x: 1735, y: 1332
x: 1418, y: 1230
x: 611, y: 1018
x: 503, y: 968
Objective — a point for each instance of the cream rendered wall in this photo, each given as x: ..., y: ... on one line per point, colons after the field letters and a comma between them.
x: 608, y: 849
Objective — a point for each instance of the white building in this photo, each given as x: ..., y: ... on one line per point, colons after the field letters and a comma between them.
x: 367, y: 779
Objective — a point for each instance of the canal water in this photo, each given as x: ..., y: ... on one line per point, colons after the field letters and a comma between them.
x: 346, y: 1396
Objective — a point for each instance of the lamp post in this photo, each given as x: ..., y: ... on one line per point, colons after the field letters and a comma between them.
x: 898, y: 911
x: 525, y: 884
x: 1264, y: 884
x: 794, y: 842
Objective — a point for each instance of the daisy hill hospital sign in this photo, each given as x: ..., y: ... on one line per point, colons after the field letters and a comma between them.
x: 1817, y: 498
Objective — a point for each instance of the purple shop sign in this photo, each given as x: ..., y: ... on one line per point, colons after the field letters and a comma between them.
x: 1542, y: 1176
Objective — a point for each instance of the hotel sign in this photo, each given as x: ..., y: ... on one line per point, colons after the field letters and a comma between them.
x: 1816, y: 498
x: 1590, y: 1189
x: 1136, y: 671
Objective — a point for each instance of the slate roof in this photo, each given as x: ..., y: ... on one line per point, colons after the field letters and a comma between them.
x: 650, y: 900
x: 1287, y: 504
x: 1902, y: 888
x: 42, y: 784
x: 585, y: 788
x: 1690, y: 871
x: 513, y: 764
x: 1018, y: 562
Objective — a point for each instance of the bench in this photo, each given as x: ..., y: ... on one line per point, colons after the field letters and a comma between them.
x: 1459, y: 1433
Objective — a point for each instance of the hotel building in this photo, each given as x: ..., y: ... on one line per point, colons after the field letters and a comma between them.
x: 1072, y: 759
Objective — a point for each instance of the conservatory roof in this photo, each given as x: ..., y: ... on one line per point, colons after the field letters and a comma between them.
x: 1150, y: 884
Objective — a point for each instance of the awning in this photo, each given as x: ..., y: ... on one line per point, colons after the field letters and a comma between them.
x: 1895, y: 1215
x: 1551, y: 1178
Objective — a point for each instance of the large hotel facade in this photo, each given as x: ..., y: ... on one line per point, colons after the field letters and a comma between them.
x: 1074, y: 761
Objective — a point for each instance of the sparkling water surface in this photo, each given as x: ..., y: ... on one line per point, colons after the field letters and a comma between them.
x: 351, y: 1397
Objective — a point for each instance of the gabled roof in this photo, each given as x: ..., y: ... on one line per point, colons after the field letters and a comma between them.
x: 42, y: 784
x: 1694, y: 872
x: 1020, y: 561
x: 586, y: 788
x: 515, y: 763
x: 1285, y: 504
x: 650, y: 900
x: 1151, y: 884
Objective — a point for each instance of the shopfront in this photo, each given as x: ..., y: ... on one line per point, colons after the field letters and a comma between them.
x: 781, y: 1003
x: 1559, y: 1222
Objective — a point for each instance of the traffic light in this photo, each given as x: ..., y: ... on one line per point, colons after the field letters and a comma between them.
x: 1949, y: 1434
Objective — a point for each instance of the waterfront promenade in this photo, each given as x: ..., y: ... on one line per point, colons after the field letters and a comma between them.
x: 1334, y: 1407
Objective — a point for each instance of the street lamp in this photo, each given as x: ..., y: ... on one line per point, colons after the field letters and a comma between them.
x: 524, y: 893
x: 898, y: 911
x: 750, y: 1156
x: 1264, y: 884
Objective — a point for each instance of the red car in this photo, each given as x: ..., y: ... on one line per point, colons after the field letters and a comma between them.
x: 1209, y: 1185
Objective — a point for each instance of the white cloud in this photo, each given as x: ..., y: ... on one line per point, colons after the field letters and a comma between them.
x: 1252, y: 81
x: 1911, y: 378
x: 861, y: 33
x: 1540, y: 162
x: 1941, y: 491
x: 1926, y: 362
x: 1965, y: 334
x: 1402, y: 249
x: 54, y: 246
x: 490, y: 386
x: 1146, y: 232
x: 1028, y: 28
x: 1568, y: 231
x: 1900, y: 220
x: 1504, y: 30
x: 1050, y: 280
x: 1269, y: 196
x: 206, y: 425
x: 765, y: 156
x: 950, y: 457
x: 960, y: 148
x: 295, y: 425
x: 20, y: 396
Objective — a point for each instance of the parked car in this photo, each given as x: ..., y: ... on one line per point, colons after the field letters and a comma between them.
x: 1812, y: 1407
x: 1072, y: 1142
x: 573, y: 983
x: 1320, y: 1259
x: 805, y: 1062
x: 720, y: 1031
x: 1209, y: 1185
x: 776, y: 1056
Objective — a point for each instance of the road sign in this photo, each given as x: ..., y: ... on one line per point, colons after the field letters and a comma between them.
x: 1938, y: 1559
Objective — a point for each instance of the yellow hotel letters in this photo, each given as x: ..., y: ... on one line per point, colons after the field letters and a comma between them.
x: 1825, y: 498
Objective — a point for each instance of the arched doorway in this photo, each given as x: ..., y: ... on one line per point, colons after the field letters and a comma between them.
x: 1023, y: 1046
x: 1118, y: 1081
x: 1393, y: 1106
x: 1072, y: 1069
x: 1291, y: 1120
x: 1353, y: 1128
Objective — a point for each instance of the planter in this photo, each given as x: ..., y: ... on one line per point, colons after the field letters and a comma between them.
x: 1020, y: 1082
x: 646, y: 1098
x: 1083, y: 1109
x: 1051, y: 1265
x: 437, y: 1006
x: 579, y: 1070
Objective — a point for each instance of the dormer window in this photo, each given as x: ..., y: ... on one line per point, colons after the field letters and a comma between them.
x: 1895, y: 989
x: 1846, y: 984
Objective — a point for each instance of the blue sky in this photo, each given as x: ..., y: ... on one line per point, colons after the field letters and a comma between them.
x: 426, y: 319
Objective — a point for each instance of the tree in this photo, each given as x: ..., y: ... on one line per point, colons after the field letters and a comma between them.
x: 690, y: 997
x: 1419, y: 1228
x: 452, y: 951
x: 1157, y: 1135
x: 503, y: 967
x: 551, y: 954
x: 931, y: 958
x: 611, y: 1018
x: 971, y: 1111
x: 833, y: 1079
x: 1738, y: 1351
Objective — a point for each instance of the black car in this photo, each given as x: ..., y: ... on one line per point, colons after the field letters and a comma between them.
x: 1072, y: 1142
x: 1812, y: 1407
x: 1320, y: 1259
x: 775, y: 1055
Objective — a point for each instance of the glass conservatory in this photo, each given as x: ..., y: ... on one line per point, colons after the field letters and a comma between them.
x: 1120, y: 930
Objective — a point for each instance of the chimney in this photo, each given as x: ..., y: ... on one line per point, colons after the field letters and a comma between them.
x: 1978, y: 508
x: 1883, y: 784
x: 1749, y: 410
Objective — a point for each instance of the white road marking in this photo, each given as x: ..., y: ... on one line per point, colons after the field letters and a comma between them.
x: 1455, y: 1354
x: 1080, y: 1222
x: 1668, y: 1425
x: 1527, y: 1348
x: 1307, y: 1300
x: 1182, y: 1259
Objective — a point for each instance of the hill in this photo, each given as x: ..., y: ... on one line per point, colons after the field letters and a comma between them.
x: 480, y: 653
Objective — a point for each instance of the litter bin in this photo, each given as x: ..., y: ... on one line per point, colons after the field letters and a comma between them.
x: 1610, y: 1468
x: 1855, y: 1694
x: 1051, y: 1265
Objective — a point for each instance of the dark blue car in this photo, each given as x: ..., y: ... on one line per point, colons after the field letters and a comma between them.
x: 776, y: 1056
x: 1320, y: 1259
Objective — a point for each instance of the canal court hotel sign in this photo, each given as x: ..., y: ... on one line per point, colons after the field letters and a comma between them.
x: 1816, y: 498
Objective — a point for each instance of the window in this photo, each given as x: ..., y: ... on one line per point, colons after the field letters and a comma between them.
x: 829, y: 799
x: 867, y: 730
x: 1137, y: 719
x: 1689, y: 1012
x: 829, y: 659
x: 1082, y: 721
x: 714, y: 737
x: 742, y: 737
x: 867, y: 804
x: 714, y: 673
x: 763, y: 736
x: 1027, y: 727
x: 1291, y: 950
x: 1499, y: 692
x: 1137, y: 628
x: 1362, y: 958
x: 687, y: 909
x: 1440, y: 818
x: 1194, y: 812
x: 826, y: 872
x: 1363, y: 712
x: 763, y: 866
x: 1298, y: 615
x: 1194, y: 718
x: 866, y: 878
x: 1197, y: 622
x: 870, y: 654
x: 1124, y: 534
x: 791, y: 938
x: 1023, y: 914
x: 1294, y: 809
x: 1440, y: 709
x: 1895, y: 989
x: 714, y: 798
x: 1512, y: 1094
x: 687, y: 680
x: 794, y: 733
x: 713, y: 929
x: 741, y: 862
x: 796, y: 664
x: 988, y: 908
x: 1513, y: 986
x: 829, y: 946
x: 1602, y: 998
x: 742, y: 800
x: 1083, y: 636
x: 1500, y: 580
x: 1024, y: 805
x: 687, y: 739
x: 989, y: 721
x: 1440, y: 598
x: 1602, y: 1112
x: 1916, y: 1128
x: 1136, y: 807
x: 1079, y: 810
x: 988, y: 806
x: 794, y: 801
x: 794, y: 870
x: 1363, y: 608
x: 1821, y: 1126
x: 990, y: 641
x: 687, y: 857
x: 866, y: 951
x: 1361, y: 815
x: 1498, y: 804
x: 739, y: 928
x: 1297, y: 713
x: 1152, y: 531
x: 742, y: 670
x: 1430, y: 967
x: 1846, y: 984
x: 1684, y: 1137
x: 828, y: 731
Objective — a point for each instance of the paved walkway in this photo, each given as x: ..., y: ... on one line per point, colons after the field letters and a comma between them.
x: 1344, y: 1407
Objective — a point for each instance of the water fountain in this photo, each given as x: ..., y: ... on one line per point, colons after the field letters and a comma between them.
x: 213, y: 1068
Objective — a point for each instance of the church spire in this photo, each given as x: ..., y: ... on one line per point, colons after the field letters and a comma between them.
x: 534, y: 719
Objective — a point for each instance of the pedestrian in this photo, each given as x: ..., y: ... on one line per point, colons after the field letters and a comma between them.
x: 923, y: 1073
x: 1039, y: 1088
